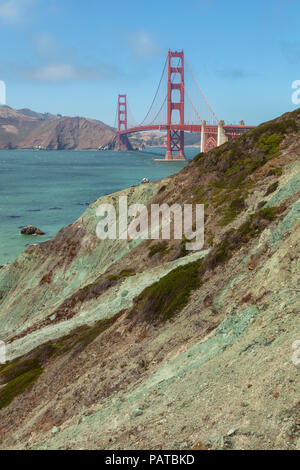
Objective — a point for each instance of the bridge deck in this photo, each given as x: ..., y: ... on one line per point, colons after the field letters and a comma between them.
x: 211, y: 129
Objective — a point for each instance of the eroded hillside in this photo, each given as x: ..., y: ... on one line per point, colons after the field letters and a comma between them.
x: 25, y: 129
x: 142, y: 345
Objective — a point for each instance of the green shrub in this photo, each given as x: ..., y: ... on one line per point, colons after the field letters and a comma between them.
x: 167, y: 297
x: 261, y: 204
x: 126, y: 273
x: 275, y: 172
x: 234, y: 239
x: 269, y: 213
x: 18, y: 386
x: 269, y: 144
x: 272, y: 188
x: 161, y: 248
x: 235, y: 207
x: 20, y: 377
x: 21, y: 374
x: 164, y: 299
x: 16, y: 368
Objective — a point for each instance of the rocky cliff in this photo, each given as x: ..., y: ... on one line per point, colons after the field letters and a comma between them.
x: 141, y: 345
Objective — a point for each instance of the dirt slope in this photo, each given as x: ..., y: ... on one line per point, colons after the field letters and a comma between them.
x: 141, y: 345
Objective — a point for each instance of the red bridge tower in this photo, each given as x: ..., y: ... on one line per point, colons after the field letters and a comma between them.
x: 175, y: 138
x: 122, y: 117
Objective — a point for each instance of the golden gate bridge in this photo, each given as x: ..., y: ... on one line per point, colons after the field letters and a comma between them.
x: 173, y: 110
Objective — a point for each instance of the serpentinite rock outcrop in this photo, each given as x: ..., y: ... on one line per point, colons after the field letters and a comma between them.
x: 203, y: 343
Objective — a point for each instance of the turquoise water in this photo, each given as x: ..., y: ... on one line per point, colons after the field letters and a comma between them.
x: 52, y: 189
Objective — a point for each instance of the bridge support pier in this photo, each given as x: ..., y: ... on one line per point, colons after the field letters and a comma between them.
x: 209, y: 140
x: 202, y: 146
x: 122, y: 143
x: 175, y: 143
x: 222, y: 137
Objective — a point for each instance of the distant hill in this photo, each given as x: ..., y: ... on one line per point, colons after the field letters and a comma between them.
x: 43, y: 116
x: 24, y: 128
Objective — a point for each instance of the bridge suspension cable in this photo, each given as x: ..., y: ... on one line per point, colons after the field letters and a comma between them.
x: 131, y: 114
x: 188, y: 96
x: 166, y: 97
x: 156, y: 93
x: 202, y: 94
x: 160, y: 109
x: 116, y: 117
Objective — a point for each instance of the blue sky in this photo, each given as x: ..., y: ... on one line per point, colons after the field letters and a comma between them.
x: 74, y: 57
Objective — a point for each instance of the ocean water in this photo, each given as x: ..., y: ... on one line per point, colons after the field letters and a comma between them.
x: 51, y: 189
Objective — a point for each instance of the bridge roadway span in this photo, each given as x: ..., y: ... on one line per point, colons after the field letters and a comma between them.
x: 230, y: 130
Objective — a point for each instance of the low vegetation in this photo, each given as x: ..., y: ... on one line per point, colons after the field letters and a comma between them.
x: 164, y: 299
x: 272, y: 188
x: 234, y: 239
x: 18, y: 384
x: 161, y: 248
x: 234, y: 163
x: 167, y: 297
x: 20, y: 375
x: 122, y: 275
x: 235, y: 207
